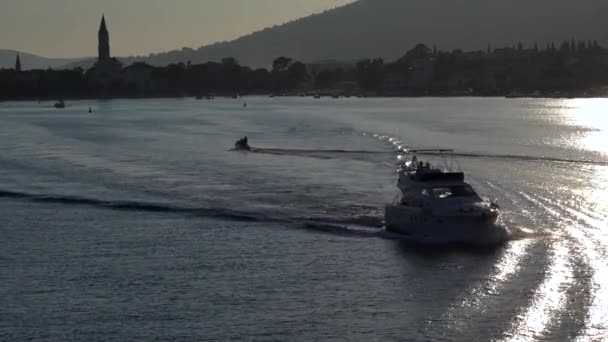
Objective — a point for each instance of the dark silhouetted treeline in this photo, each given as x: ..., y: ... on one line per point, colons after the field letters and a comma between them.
x: 142, y: 80
x: 572, y: 68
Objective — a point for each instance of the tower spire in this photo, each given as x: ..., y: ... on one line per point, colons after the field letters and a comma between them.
x: 102, y: 26
x: 104, y: 43
x: 18, y: 63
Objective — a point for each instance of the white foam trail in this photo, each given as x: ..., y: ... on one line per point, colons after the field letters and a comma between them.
x: 596, y: 326
x: 509, y: 263
x: 548, y: 298
x: 477, y: 297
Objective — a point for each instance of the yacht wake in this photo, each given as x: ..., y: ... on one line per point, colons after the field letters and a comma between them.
x: 140, y: 206
x: 401, y: 147
x: 357, y: 226
x: 316, y: 153
x: 519, y: 157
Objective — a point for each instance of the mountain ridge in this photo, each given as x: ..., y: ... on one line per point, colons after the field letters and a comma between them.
x: 388, y: 28
x: 31, y: 61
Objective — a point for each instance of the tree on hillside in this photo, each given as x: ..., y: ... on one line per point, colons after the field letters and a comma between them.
x: 370, y: 73
x: 231, y: 72
x: 281, y: 64
x: 288, y: 74
x: 229, y: 62
x: 298, y: 73
x: 327, y: 78
x: 420, y: 51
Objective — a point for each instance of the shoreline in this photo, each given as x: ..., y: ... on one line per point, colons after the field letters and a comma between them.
x: 269, y: 95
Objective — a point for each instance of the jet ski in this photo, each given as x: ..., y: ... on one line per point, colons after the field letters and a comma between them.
x: 242, y: 145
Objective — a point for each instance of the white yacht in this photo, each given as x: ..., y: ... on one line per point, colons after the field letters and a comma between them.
x: 440, y: 207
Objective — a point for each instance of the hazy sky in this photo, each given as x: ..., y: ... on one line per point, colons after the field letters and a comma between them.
x: 68, y: 28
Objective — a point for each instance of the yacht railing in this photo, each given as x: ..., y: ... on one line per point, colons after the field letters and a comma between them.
x: 449, y: 164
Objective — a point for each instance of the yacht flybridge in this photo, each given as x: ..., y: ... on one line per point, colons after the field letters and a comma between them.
x: 438, y: 206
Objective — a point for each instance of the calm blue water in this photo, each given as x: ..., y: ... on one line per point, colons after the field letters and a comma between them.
x: 135, y: 222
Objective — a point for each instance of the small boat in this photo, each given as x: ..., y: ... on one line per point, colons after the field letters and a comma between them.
x: 199, y: 97
x: 242, y: 145
x: 59, y: 104
x: 439, y: 207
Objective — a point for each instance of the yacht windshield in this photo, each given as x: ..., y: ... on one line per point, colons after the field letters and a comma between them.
x: 453, y: 191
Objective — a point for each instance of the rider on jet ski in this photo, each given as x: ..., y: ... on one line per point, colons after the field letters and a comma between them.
x: 242, y: 144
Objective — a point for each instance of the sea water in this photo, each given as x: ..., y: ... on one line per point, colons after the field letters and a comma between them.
x: 136, y: 223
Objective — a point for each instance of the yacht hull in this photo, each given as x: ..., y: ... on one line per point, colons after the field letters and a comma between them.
x: 470, y: 228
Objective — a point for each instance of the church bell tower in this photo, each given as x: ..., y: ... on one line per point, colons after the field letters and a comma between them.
x: 104, y: 43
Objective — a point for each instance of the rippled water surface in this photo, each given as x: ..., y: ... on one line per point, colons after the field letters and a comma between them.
x: 136, y: 222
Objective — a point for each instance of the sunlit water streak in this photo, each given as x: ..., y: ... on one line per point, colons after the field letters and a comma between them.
x: 549, y: 298
x: 597, y: 324
x: 476, y: 301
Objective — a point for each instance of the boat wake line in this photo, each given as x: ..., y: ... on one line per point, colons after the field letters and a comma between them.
x: 313, y: 153
x: 296, y: 151
x: 401, y: 147
x: 332, y: 153
x: 356, y: 226
x: 133, y: 206
x: 362, y: 226
x: 518, y: 157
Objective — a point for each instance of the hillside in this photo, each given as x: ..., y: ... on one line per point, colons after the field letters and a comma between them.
x: 387, y: 28
x: 30, y: 61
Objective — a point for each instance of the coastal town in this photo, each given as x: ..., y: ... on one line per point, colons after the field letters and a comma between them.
x: 571, y: 68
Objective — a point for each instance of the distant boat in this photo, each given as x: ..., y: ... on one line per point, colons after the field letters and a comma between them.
x: 317, y: 96
x: 59, y: 104
x: 200, y: 97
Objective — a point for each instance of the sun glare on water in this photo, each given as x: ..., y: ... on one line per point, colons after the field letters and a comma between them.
x: 592, y: 115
